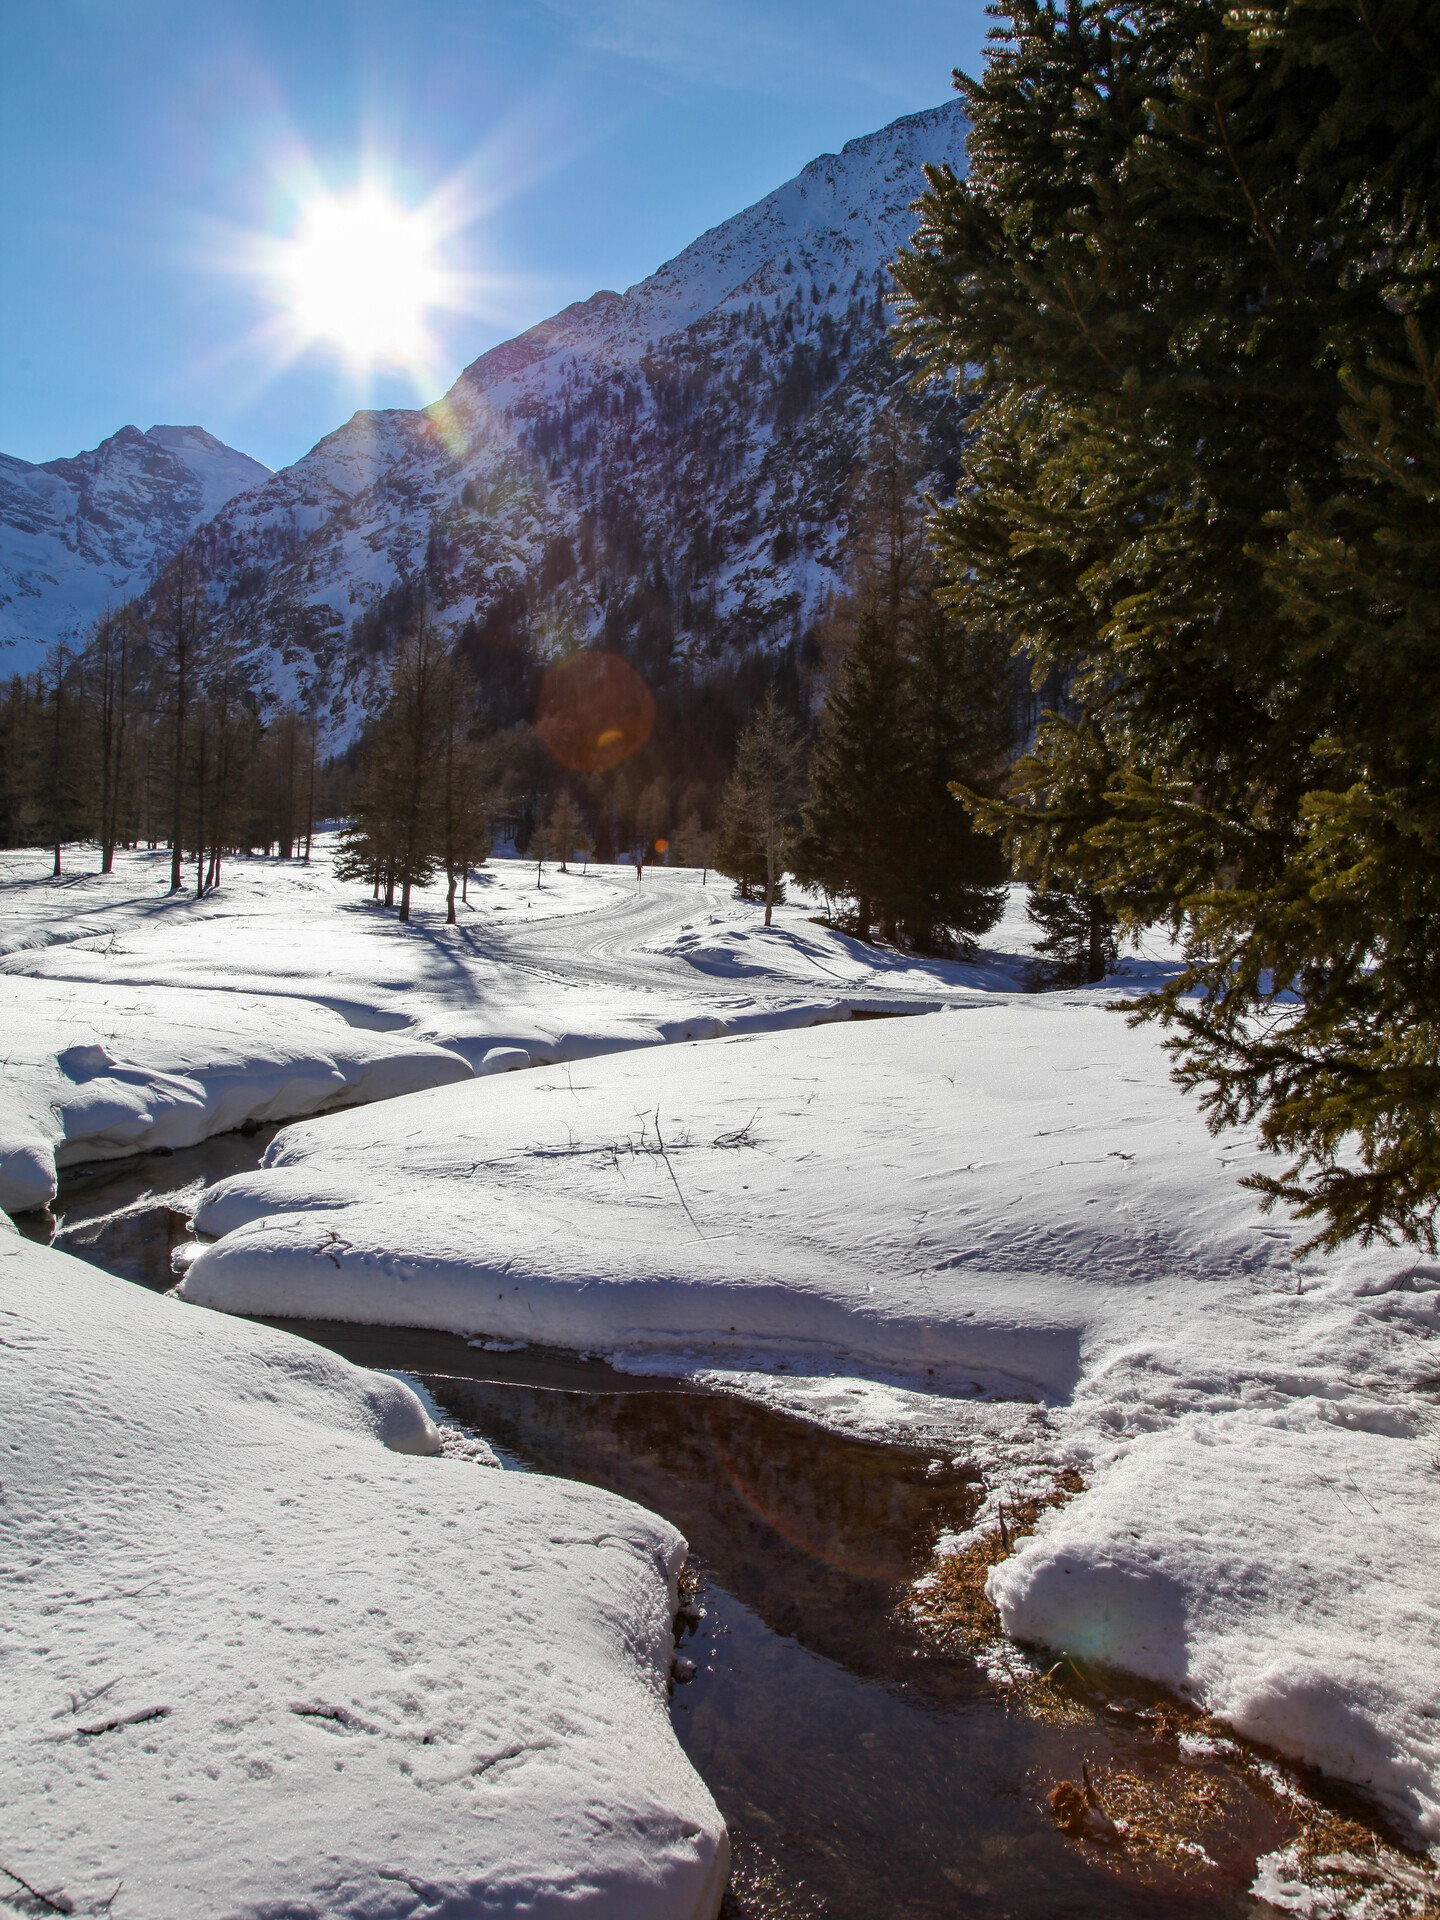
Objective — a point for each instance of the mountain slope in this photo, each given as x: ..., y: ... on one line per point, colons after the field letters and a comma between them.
x: 663, y: 469
x: 78, y: 534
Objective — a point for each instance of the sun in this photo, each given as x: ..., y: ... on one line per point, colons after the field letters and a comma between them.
x: 362, y: 272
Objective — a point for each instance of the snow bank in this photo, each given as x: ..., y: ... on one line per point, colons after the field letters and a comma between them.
x: 1277, y: 1565
x: 1009, y: 1198
x: 258, y: 1661
x: 95, y: 1073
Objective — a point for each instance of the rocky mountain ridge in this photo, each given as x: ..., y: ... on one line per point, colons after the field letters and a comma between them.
x: 664, y: 470
x: 82, y: 533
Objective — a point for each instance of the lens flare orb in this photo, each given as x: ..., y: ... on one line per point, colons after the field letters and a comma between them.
x: 594, y: 711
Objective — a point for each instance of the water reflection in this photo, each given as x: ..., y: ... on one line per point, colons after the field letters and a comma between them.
x: 860, y: 1774
x: 127, y: 1215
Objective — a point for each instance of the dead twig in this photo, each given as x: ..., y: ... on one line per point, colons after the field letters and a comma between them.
x: 79, y: 1700
x: 673, y: 1181
x: 51, y: 1903
x: 136, y: 1719
x: 334, y: 1240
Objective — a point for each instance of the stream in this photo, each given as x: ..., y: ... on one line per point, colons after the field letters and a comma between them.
x: 864, y: 1774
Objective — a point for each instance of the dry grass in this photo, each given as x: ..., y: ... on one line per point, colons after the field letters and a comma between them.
x: 1172, y: 1814
x: 953, y: 1606
x: 953, y: 1609
x: 1167, y: 1815
x: 1347, y: 1858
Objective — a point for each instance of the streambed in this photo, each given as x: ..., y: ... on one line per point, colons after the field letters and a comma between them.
x: 861, y: 1771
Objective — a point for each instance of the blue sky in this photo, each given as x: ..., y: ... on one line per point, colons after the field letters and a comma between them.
x: 149, y: 148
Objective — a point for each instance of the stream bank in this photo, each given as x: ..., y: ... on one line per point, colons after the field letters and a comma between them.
x: 861, y: 1768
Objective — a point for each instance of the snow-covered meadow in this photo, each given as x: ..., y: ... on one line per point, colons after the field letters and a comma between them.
x: 136, y: 1019
x: 998, y: 1226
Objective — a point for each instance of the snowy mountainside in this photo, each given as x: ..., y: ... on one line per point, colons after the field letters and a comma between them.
x: 664, y: 470
x: 78, y: 534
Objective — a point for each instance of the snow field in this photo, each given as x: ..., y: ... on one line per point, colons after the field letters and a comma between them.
x: 1009, y: 1200
x: 135, y: 1020
x: 864, y: 1224
x: 258, y: 1658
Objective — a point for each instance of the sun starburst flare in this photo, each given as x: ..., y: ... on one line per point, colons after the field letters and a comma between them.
x: 369, y: 276
x: 363, y: 273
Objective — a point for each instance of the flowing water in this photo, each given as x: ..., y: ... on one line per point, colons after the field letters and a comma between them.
x: 862, y: 1773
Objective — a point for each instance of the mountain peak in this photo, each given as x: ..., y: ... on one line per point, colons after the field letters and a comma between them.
x: 89, y: 531
x: 664, y: 469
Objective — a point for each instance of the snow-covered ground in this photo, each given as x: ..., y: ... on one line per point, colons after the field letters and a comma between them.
x: 1007, y: 1200
x: 134, y: 1019
x: 998, y: 1226
x: 256, y: 1658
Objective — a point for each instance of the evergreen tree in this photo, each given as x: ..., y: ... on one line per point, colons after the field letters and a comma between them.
x: 851, y: 843
x: 462, y: 830
x: 396, y: 834
x: 1194, y: 264
x: 1079, y: 942
x: 916, y: 703
x: 408, y: 737
x: 365, y: 852
x: 738, y: 852
x: 949, y: 884
x: 769, y: 775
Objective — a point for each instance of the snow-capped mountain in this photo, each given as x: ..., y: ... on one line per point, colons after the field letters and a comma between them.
x: 77, y: 535
x: 665, y: 469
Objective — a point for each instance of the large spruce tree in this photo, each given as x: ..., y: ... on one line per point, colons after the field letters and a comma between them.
x: 1194, y: 264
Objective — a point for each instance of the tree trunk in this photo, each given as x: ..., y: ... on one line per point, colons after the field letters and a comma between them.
x: 862, y: 916
x: 287, y: 834
x: 405, y: 898
x: 107, y: 722
x: 177, y: 824
x: 200, y: 819
x: 450, y: 896
x: 222, y: 784
x: 55, y: 763
x: 1099, y: 927
x: 310, y: 797
x: 108, y: 852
